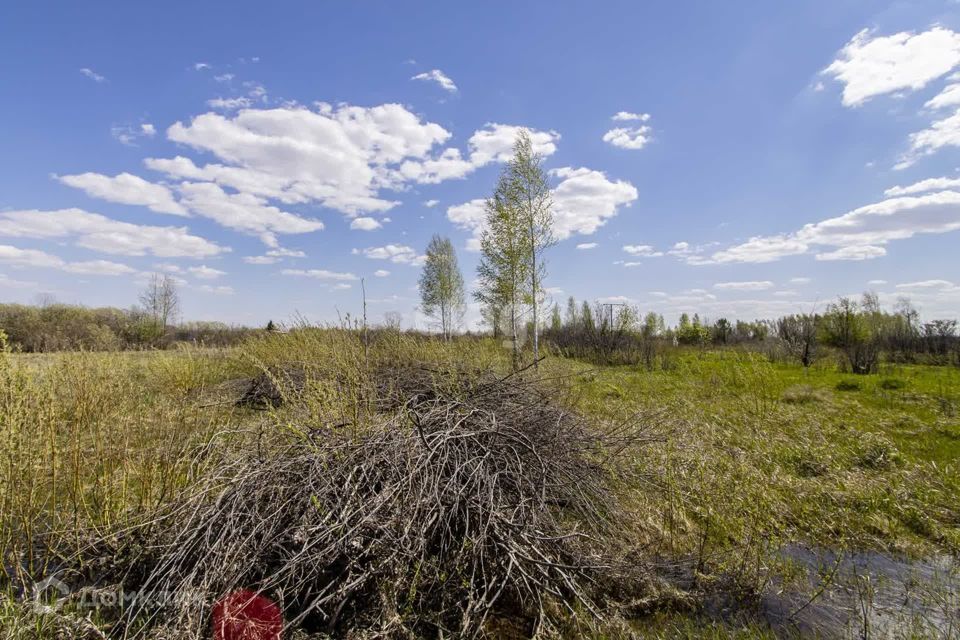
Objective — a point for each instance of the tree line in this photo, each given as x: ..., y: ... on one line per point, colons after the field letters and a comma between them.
x: 153, y: 323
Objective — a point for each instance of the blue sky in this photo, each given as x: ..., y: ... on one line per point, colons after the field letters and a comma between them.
x: 737, y: 159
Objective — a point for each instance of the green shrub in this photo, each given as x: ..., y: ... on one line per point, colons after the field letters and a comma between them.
x: 875, y: 451
x: 847, y: 385
x: 803, y: 394
x: 891, y: 384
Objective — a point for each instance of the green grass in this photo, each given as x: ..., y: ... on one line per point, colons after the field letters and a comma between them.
x: 751, y: 454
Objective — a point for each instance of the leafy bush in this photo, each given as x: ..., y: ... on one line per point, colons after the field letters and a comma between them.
x: 847, y: 385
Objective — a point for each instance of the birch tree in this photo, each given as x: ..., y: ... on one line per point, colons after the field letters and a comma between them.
x: 534, y: 206
x: 441, y: 285
x: 160, y: 300
x: 504, y: 263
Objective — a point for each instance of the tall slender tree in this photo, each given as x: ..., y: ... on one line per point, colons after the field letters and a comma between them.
x: 441, y: 285
x: 534, y: 206
x: 504, y: 263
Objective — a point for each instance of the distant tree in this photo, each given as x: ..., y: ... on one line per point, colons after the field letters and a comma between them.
x: 722, y: 331
x: 441, y: 285
x: 846, y: 327
x: 556, y: 322
x: 573, y: 313
x: 798, y: 333
x: 161, y: 301
x: 653, y: 325
x: 393, y: 320
x: 586, y: 317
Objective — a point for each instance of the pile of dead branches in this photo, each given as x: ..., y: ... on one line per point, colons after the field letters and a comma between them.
x: 474, y: 501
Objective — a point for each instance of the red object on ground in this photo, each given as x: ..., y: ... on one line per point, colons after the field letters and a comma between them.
x: 245, y: 615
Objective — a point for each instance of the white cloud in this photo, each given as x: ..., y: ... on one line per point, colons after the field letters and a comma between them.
x: 261, y: 259
x: 365, y: 224
x: 494, y: 142
x: 870, y: 66
x: 626, y: 116
x: 99, y: 233
x: 280, y: 252
x: 381, y: 273
x: 876, y: 282
x: 93, y: 75
x: 930, y: 184
x: 751, y: 285
x: 949, y: 97
x: 800, y: 280
x: 340, y: 157
x: 585, y: 199
x: 928, y: 284
x: 98, y: 268
x: 587, y: 245
x: 941, y: 133
x: 28, y: 257
x: 230, y: 104
x: 206, y: 273
x: 9, y: 283
x: 628, y: 138
x: 854, y: 252
x: 431, y: 203
x: 320, y: 274
x: 128, y: 134
x: 400, y: 254
x: 220, y: 290
x: 857, y: 235
x: 439, y: 77
x: 200, y: 66
x: 642, y: 250
x: 36, y: 258
x: 126, y: 188
x: 243, y: 212
x: 224, y: 77
x: 470, y: 216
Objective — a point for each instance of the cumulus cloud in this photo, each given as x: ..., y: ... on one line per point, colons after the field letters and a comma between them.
x: 244, y: 212
x: 340, y: 157
x: 230, y: 104
x: 431, y: 203
x: 627, y: 116
x: 858, y: 235
x: 941, y: 133
x: 320, y: 274
x: 439, y: 77
x: 381, y: 273
x: 870, y: 66
x: 930, y: 184
x: 587, y: 245
x: 398, y: 253
x: 36, y: 258
x: 855, y: 252
x: 642, y: 250
x: 99, y: 233
x: 126, y: 188
x: 585, y: 199
x: 750, y: 285
x: 949, y: 97
x: 365, y: 224
x: 261, y: 259
x: 205, y: 273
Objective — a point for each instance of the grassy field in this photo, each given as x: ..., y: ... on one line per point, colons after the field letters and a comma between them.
x: 751, y: 462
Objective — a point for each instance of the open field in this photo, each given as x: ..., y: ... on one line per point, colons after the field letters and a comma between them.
x: 762, y: 499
